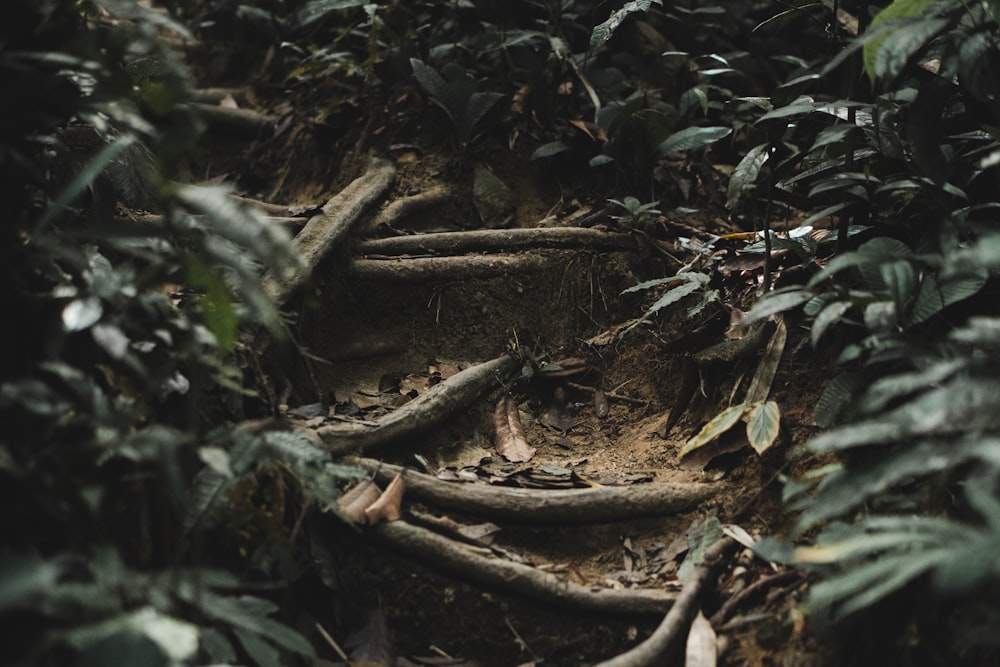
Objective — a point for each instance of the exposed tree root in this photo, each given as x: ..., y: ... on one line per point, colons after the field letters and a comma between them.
x: 335, y: 222
x: 421, y: 414
x: 406, y: 206
x: 433, y: 269
x: 475, y: 565
x: 496, y: 240
x: 665, y: 642
x: 562, y: 506
x: 244, y: 122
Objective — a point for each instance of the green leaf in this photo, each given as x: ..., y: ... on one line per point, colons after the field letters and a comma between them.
x: 81, y: 314
x: 899, y: 9
x: 548, y: 150
x: 835, y: 399
x: 934, y: 296
x: 85, y: 178
x: 603, y: 31
x: 215, y: 302
x: 691, y: 138
x: 831, y: 314
x: 763, y: 425
x: 317, y: 10
x: 776, y: 302
x: 22, y: 577
x: 259, y: 650
x: 744, y: 177
x: 900, y: 277
x: 721, y: 423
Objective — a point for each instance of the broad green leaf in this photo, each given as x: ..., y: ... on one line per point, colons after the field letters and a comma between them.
x: 215, y: 301
x: 901, y: 45
x: 81, y: 314
x: 691, y: 138
x: 776, y: 302
x: 830, y: 315
x: 317, y: 10
x: 549, y: 149
x: 863, y: 585
x: 721, y: 423
x: 259, y: 650
x: 85, y: 178
x: 934, y: 296
x: 900, y: 277
x: 744, y: 177
x: 899, y: 9
x: 763, y: 425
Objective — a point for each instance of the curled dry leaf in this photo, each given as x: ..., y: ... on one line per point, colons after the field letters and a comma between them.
x: 358, y: 499
x: 388, y: 506
x: 510, y: 440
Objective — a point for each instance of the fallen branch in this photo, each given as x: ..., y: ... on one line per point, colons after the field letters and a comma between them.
x: 476, y: 566
x: 334, y: 222
x: 561, y: 506
x: 496, y: 240
x: 435, y: 269
x: 661, y: 646
x: 422, y: 414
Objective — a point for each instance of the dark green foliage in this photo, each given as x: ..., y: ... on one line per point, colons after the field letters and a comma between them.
x: 909, y: 312
x: 121, y: 341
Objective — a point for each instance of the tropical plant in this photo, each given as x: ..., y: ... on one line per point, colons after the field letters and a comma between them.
x: 124, y: 339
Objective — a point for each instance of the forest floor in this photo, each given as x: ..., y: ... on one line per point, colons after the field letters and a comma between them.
x: 604, y: 406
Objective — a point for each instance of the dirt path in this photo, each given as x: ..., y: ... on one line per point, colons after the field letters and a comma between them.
x: 407, y: 288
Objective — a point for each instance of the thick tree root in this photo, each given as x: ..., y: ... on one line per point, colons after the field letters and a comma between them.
x: 436, y: 269
x: 244, y: 122
x: 664, y: 644
x: 335, y: 222
x: 401, y: 208
x: 498, y: 240
x: 476, y: 566
x: 562, y: 506
x: 421, y: 414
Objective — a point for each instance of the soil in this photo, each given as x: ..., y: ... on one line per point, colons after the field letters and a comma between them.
x: 372, y: 343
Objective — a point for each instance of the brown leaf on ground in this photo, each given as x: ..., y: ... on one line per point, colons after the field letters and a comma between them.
x: 558, y: 416
x: 510, y: 440
x: 388, y: 506
x: 358, y: 499
x: 700, y: 650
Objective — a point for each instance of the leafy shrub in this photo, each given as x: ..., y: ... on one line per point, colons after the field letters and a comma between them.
x: 122, y: 340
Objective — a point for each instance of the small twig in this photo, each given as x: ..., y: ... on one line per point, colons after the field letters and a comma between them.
x: 609, y: 394
x: 333, y: 644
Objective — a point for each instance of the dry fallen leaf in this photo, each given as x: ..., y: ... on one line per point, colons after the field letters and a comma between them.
x: 510, y: 440
x: 387, y: 507
x: 700, y: 650
x: 354, y: 503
